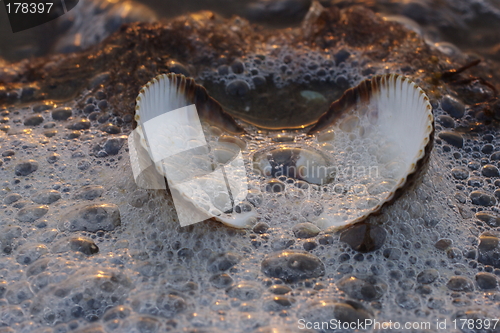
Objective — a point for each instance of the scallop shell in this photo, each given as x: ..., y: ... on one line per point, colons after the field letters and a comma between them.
x: 393, y: 118
x: 357, y: 157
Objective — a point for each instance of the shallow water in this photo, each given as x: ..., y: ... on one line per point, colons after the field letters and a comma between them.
x: 84, y: 249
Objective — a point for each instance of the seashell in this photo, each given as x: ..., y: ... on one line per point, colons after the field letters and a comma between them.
x: 393, y: 117
x: 358, y: 156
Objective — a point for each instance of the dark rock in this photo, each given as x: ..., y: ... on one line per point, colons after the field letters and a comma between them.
x: 427, y: 276
x: 81, y: 124
x: 486, y: 281
x: 408, y: 301
x: 83, y: 245
x: 238, y: 88
x: 453, y: 138
x: 34, y: 120
x: 443, y: 244
x: 261, y: 228
x: 482, y: 199
x: 364, y: 237
x: 489, y: 219
x: 112, y: 146
x: 490, y: 171
x: 292, y: 266
x: 221, y: 281
x: 460, y: 173
x: 46, y: 197
x: 91, y: 218
x: 62, y: 113
x: 31, y: 213
x: 489, y: 250
x: 221, y: 262
x: 305, y: 230
x: 26, y: 167
x: 460, y: 283
x: 454, y: 107
x: 367, y: 289
x: 446, y: 121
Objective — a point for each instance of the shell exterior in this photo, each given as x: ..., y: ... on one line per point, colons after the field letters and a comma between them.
x: 358, y: 156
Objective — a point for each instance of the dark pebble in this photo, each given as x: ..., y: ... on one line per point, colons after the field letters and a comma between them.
x: 62, y: 113
x: 427, y: 276
x: 368, y: 289
x: 11, y: 198
x: 72, y: 135
x: 490, y: 170
x: 26, y: 167
x: 309, y: 246
x: 91, y: 218
x: 408, y: 301
x: 489, y: 250
x: 364, y: 237
x: 103, y: 105
x: 238, y: 88
x: 446, y: 121
x: 221, y: 281
x: 258, y: 80
x: 443, y: 244
x: 292, y: 266
x: 50, y: 133
x: 8, y: 153
x: 341, y: 56
x: 475, y: 182
x: 452, y: 138
x: 392, y: 253
x: 31, y: 213
x: 482, y: 198
x: 80, y: 124
x: 279, y: 289
x: 326, y: 240
x: 486, y: 281
x: 89, y: 108
x: 52, y: 158
x: 237, y: 67
x: 495, y: 156
x: 489, y: 219
x: 221, y: 262
x: 46, y: 197
x: 94, y: 115
x: 460, y: 283
x: 83, y: 245
x: 261, y: 228
x: 454, y: 107
x: 89, y: 192
x: 278, y: 303
x: 110, y: 129
x: 487, y: 149
x: 305, y: 230
x: 34, y: 120
x: 113, y: 145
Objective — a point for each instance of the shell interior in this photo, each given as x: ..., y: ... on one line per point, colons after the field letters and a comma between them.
x: 350, y: 163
